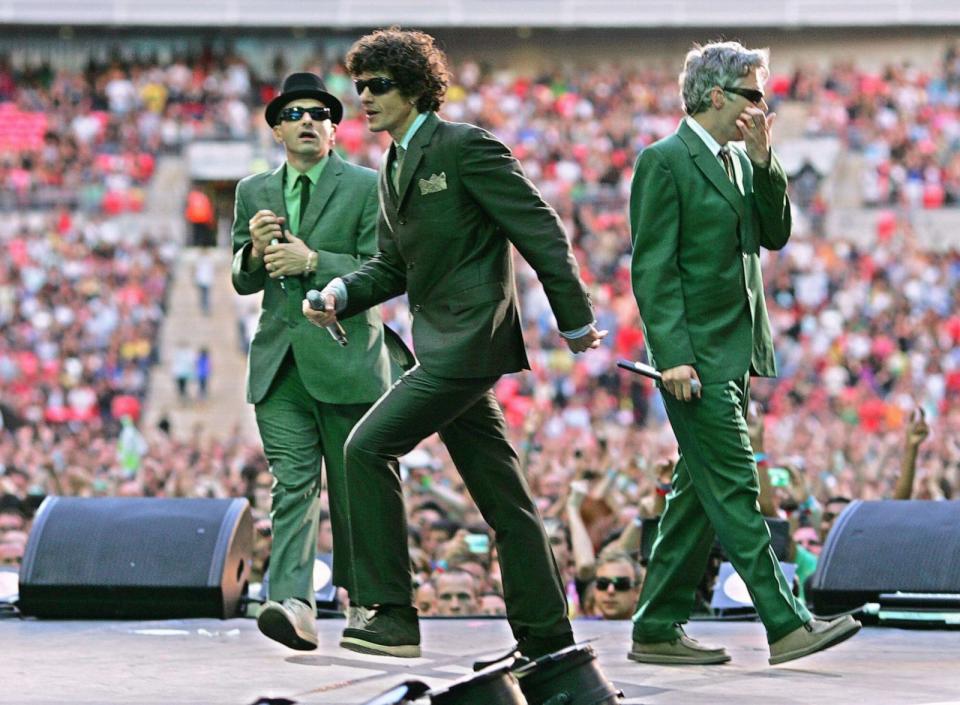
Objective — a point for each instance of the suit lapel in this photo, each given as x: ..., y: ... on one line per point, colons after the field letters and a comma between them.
x: 329, y: 180
x: 274, y: 192
x: 411, y: 161
x: 710, y: 167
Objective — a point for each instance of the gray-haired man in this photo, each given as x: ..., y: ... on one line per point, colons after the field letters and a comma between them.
x: 700, y: 209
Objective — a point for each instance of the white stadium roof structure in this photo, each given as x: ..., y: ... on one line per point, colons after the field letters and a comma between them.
x: 343, y: 14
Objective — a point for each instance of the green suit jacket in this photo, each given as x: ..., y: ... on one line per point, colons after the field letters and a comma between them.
x: 340, y: 224
x: 445, y: 240
x: 696, y: 267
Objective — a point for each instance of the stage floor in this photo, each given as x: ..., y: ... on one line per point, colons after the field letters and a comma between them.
x: 211, y: 662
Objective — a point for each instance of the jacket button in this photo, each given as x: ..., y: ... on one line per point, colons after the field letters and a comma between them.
x: 409, y: 265
x: 417, y: 308
x: 402, y: 221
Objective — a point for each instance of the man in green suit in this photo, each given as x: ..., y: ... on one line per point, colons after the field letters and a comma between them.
x: 452, y: 201
x: 308, y: 391
x: 700, y: 209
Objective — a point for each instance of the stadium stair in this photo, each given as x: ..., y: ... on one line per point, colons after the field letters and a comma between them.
x: 225, y: 412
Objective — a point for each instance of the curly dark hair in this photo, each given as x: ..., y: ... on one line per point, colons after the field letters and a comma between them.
x: 411, y: 58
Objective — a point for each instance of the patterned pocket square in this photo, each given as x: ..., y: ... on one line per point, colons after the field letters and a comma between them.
x: 435, y: 184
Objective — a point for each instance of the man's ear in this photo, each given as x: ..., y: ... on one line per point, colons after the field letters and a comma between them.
x: 277, y: 137
x: 717, y: 97
x: 333, y: 134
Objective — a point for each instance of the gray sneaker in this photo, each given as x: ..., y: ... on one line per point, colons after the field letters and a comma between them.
x: 292, y: 623
x: 815, y: 635
x: 387, y: 630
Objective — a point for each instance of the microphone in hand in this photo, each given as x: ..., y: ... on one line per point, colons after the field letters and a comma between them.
x: 336, y: 331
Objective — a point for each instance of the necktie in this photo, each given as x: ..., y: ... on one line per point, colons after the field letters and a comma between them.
x: 397, y: 166
x: 304, y: 199
x: 728, y: 164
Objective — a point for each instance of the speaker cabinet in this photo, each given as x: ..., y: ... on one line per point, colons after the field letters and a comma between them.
x: 137, y: 558
x: 888, y: 546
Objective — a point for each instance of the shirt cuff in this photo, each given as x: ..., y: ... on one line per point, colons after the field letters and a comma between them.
x: 339, y: 290
x: 578, y: 333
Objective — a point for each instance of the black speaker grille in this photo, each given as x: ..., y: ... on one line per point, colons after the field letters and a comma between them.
x: 136, y: 557
x: 103, y: 542
x: 886, y: 546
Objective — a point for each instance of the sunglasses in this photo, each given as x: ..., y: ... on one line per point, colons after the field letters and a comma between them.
x: 751, y: 94
x: 620, y: 584
x: 377, y: 86
x: 296, y: 113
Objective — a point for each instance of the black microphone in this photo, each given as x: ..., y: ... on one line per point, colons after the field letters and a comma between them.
x: 652, y: 372
x: 336, y: 331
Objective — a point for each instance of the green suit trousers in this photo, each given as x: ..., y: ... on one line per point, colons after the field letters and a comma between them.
x: 715, y: 491
x: 298, y: 433
x: 470, y: 422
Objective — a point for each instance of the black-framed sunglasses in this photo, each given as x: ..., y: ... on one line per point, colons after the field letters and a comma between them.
x: 378, y: 85
x: 751, y: 94
x: 296, y: 113
x: 620, y: 584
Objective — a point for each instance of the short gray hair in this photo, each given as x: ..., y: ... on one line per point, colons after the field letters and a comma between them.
x: 717, y: 64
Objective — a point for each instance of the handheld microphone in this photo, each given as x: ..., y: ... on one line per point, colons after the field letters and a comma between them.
x: 281, y: 278
x: 652, y: 372
x: 335, y: 330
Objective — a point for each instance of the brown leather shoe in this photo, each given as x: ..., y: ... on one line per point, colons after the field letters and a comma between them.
x: 292, y: 623
x: 815, y: 635
x: 683, y: 650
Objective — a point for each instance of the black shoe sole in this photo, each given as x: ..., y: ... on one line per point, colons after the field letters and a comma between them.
x: 273, y: 624
x: 363, y: 646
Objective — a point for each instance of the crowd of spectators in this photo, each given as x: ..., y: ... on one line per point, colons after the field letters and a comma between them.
x: 865, y: 337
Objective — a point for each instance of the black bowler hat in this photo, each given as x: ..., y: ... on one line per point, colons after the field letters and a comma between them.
x: 303, y: 85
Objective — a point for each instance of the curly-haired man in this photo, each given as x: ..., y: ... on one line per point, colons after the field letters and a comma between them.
x: 452, y: 201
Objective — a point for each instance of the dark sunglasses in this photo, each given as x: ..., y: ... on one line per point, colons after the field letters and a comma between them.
x: 377, y: 86
x: 296, y: 113
x: 751, y: 94
x: 620, y: 584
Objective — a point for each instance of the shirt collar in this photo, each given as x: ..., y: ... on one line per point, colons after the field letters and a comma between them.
x: 702, y: 133
x: 313, y: 173
x: 412, y: 130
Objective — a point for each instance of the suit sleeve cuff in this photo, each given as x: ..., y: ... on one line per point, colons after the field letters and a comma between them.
x: 578, y: 333
x: 339, y: 290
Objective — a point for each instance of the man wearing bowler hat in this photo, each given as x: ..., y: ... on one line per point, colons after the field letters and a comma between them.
x: 295, y: 227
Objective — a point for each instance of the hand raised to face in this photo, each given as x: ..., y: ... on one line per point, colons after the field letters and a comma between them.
x: 755, y: 128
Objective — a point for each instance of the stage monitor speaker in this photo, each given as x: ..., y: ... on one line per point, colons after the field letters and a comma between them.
x: 888, y: 546
x: 137, y: 558
x: 779, y: 538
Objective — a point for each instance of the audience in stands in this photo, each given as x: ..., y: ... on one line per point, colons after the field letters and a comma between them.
x: 864, y: 336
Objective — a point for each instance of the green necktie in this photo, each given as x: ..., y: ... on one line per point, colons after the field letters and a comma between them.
x: 397, y: 166
x: 304, y: 199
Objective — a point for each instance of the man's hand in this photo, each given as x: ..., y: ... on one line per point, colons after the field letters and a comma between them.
x: 326, y: 317
x: 917, y: 429
x: 286, y: 259
x: 590, y: 339
x: 755, y: 128
x: 265, y: 226
x: 679, y: 381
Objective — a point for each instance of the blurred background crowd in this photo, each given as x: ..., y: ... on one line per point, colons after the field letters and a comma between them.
x: 866, y: 329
